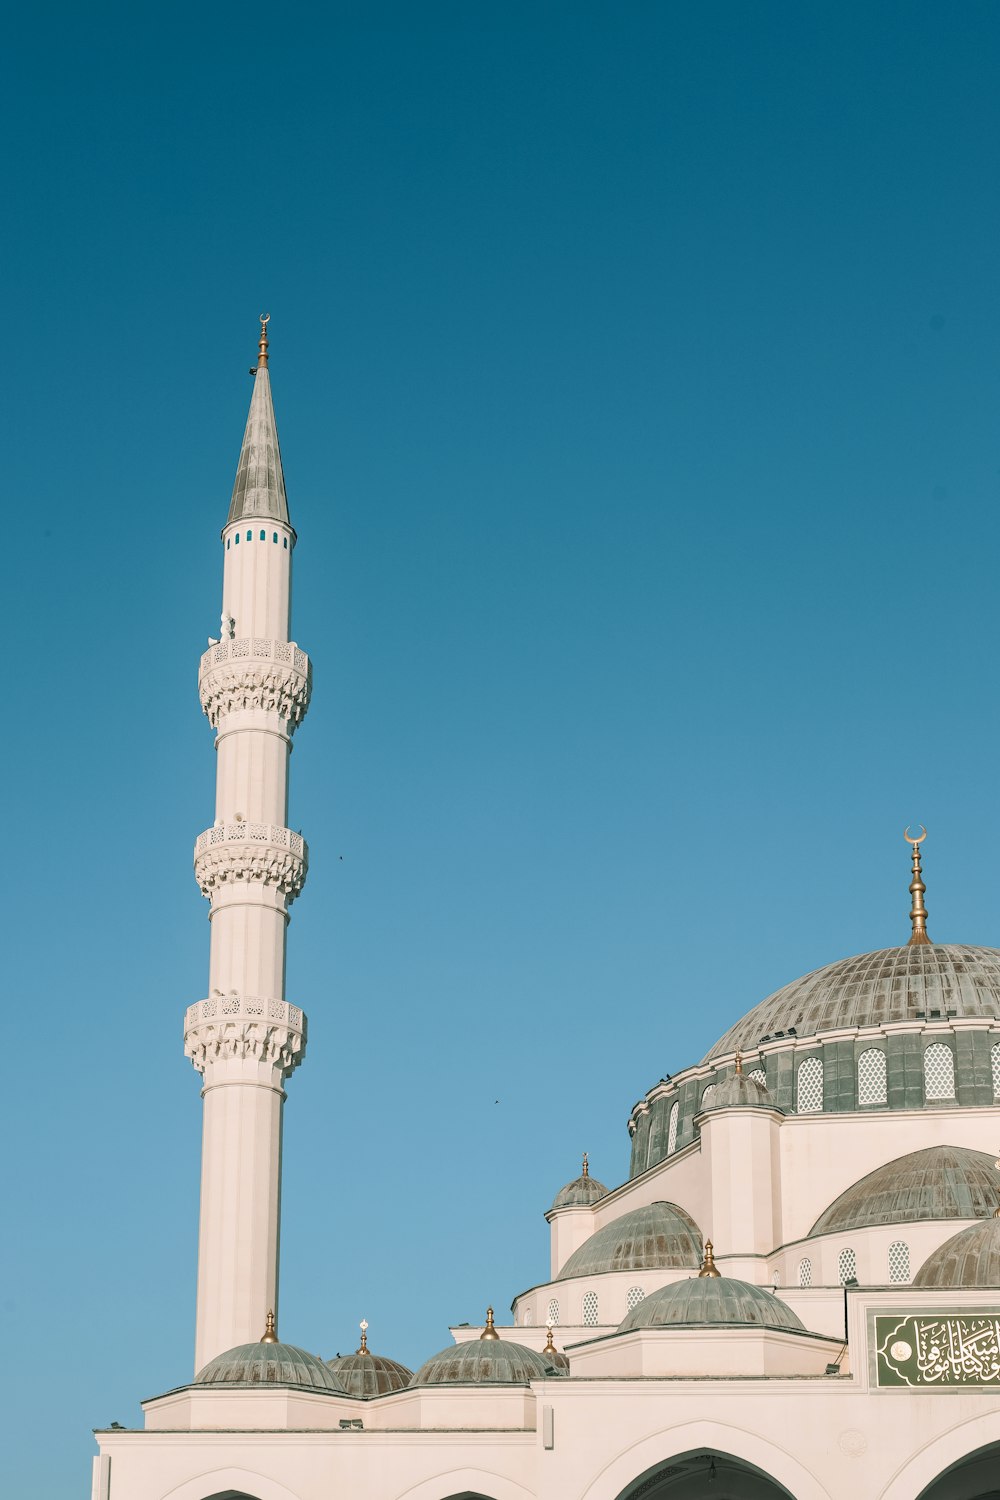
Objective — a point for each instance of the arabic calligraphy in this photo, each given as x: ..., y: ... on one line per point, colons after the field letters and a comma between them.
x: 937, y: 1351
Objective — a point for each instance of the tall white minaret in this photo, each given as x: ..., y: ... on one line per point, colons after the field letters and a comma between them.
x: 245, y: 1038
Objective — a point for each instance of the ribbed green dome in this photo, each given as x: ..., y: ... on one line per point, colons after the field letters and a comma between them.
x: 580, y: 1193
x: 740, y: 1089
x: 366, y: 1375
x: 940, y: 1182
x: 483, y: 1362
x: 711, y: 1301
x: 970, y: 1258
x: 659, y: 1236
x: 269, y: 1364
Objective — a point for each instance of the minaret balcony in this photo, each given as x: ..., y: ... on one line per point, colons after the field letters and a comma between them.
x: 245, y: 851
x: 254, y: 673
x: 243, y: 1028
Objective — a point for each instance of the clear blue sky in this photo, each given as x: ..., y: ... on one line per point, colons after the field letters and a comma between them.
x: 637, y: 369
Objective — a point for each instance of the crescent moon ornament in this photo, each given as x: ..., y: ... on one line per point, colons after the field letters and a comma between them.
x: 265, y: 318
x: 913, y: 841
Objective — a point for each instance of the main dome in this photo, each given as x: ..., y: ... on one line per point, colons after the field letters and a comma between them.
x: 925, y: 982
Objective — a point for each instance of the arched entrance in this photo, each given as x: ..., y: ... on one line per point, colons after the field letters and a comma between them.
x: 976, y: 1477
x: 706, y: 1475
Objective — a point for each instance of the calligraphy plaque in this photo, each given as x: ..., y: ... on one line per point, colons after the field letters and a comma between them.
x: 931, y: 1350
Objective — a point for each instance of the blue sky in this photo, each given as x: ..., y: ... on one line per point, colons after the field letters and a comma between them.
x: 637, y: 375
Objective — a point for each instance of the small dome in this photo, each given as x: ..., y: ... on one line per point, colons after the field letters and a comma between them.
x: 740, y: 1088
x: 368, y: 1374
x: 647, y: 1239
x: 892, y: 984
x: 940, y: 1182
x: 581, y: 1192
x: 483, y: 1362
x: 270, y: 1364
x: 970, y: 1258
x: 711, y: 1301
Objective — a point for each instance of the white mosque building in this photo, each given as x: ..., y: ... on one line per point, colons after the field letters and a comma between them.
x: 795, y: 1293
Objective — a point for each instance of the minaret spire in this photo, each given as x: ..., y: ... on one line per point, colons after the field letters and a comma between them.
x: 918, y: 911
x: 246, y: 1038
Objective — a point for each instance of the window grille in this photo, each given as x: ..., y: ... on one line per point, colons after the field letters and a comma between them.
x: 899, y: 1261
x: 708, y: 1097
x: 759, y: 1076
x: 633, y: 1297
x: 809, y: 1086
x: 590, y: 1309
x: 847, y: 1265
x: 672, y: 1127
x: 995, y: 1064
x: 552, y: 1313
x: 871, y: 1077
x: 939, y: 1072
x: 805, y: 1271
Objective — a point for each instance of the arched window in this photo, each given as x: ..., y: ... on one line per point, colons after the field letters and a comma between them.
x: 847, y: 1266
x: 286, y: 544
x: 633, y: 1297
x: 995, y: 1065
x: 528, y: 1318
x: 590, y: 1309
x: 871, y: 1076
x: 275, y: 538
x: 237, y: 539
x: 805, y: 1271
x: 708, y: 1097
x: 249, y: 536
x: 672, y: 1127
x: 759, y: 1076
x: 552, y: 1313
x: 809, y: 1086
x: 899, y: 1261
x: 228, y: 539
x: 939, y: 1072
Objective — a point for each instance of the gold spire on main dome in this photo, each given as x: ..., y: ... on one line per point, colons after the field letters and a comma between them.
x: 708, y: 1266
x: 918, y: 911
x: 489, y: 1332
x: 270, y: 1335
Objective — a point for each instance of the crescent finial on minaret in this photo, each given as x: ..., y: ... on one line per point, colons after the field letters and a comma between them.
x: 265, y: 318
x: 918, y: 911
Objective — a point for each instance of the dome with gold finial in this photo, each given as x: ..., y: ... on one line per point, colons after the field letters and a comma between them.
x: 712, y: 1301
x: 581, y: 1192
x: 364, y: 1374
x: 488, y: 1360
x: 970, y: 1258
x: 270, y: 1362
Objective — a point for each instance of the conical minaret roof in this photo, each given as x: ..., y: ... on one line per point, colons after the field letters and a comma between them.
x: 260, y: 483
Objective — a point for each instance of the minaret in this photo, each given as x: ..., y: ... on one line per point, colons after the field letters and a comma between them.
x: 245, y: 1038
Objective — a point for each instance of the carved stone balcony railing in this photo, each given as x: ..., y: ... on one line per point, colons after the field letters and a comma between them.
x: 251, y: 851
x: 245, y: 1027
x: 255, y: 673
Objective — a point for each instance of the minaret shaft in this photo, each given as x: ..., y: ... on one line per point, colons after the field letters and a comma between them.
x: 245, y: 1037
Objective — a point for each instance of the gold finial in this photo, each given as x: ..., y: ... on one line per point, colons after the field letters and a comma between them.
x: 550, y: 1347
x: 918, y: 911
x: 489, y: 1332
x: 364, y: 1338
x: 739, y: 1063
x: 708, y: 1266
x: 265, y: 318
x: 270, y: 1329
x: 586, y: 1165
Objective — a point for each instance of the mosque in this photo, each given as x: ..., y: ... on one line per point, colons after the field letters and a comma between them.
x: 795, y: 1292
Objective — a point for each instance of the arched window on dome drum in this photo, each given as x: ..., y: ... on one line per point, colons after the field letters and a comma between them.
x: 633, y: 1297
x: 847, y: 1266
x: 552, y: 1313
x: 759, y: 1076
x: 871, y: 1077
x: 708, y: 1096
x: 805, y: 1271
x: 899, y: 1261
x: 672, y: 1127
x: 939, y: 1072
x: 809, y: 1086
x: 590, y: 1309
x: 995, y: 1065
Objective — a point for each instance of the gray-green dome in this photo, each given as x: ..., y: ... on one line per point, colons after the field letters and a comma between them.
x: 483, y: 1362
x: 739, y: 1089
x: 970, y: 1258
x: 366, y: 1375
x: 270, y: 1364
x: 647, y: 1239
x: 581, y: 1192
x: 712, y: 1301
x: 940, y: 1182
x: 893, y: 984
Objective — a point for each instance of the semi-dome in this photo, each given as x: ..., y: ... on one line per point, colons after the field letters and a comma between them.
x: 924, y: 981
x: 581, y: 1192
x: 940, y: 1182
x: 483, y: 1362
x: 270, y: 1364
x: 647, y: 1239
x: 712, y: 1301
x: 970, y: 1258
